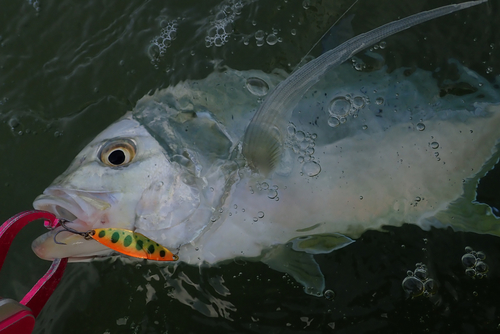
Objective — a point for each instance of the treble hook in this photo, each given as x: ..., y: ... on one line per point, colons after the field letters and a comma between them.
x: 87, y: 235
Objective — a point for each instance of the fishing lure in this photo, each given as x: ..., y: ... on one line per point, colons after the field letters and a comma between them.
x: 125, y: 241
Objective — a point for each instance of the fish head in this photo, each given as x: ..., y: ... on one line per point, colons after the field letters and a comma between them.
x: 121, y: 178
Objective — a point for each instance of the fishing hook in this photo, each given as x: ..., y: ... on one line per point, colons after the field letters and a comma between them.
x: 87, y: 235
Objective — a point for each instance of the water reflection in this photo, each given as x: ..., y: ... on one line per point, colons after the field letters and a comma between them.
x: 364, y: 278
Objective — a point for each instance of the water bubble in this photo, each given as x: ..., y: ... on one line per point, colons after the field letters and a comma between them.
x: 365, y: 127
x: 306, y: 4
x: 255, y: 219
x: 311, y: 168
x: 359, y: 66
x: 420, y: 273
x: 470, y: 272
x: 259, y: 35
x: 293, y: 32
x: 257, y: 86
x: 218, y: 42
x: 413, y: 286
x: 160, y: 43
x: 420, y: 127
x: 264, y: 185
x: 469, y: 260
x: 291, y: 130
x: 473, y: 262
x: 333, y: 121
x: 300, y: 136
x: 339, y: 106
x: 430, y: 286
x: 222, y: 26
x: 481, y: 267
x: 272, y: 194
x: 379, y: 100
x: 418, y: 282
x: 358, y: 102
x: 14, y: 123
x: 304, y: 145
x: 434, y: 145
x: 382, y: 44
x: 260, y: 214
x: 271, y: 39
x: 329, y: 294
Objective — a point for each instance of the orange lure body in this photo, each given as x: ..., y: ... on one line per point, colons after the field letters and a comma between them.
x: 132, y: 244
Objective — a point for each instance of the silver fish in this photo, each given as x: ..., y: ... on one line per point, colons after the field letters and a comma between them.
x: 205, y: 168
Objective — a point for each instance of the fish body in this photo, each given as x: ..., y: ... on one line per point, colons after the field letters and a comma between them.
x: 218, y: 170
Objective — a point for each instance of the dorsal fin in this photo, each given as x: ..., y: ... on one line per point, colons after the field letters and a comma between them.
x: 263, y: 142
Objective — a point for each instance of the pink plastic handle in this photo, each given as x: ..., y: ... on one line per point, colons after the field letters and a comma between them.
x: 13, y: 225
x: 36, y: 298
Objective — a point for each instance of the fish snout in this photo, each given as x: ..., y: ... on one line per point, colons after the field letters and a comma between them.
x: 85, y: 211
x: 67, y: 204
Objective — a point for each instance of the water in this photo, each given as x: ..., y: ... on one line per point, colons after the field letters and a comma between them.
x: 69, y: 70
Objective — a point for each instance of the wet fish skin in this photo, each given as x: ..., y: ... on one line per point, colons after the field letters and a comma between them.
x: 193, y: 185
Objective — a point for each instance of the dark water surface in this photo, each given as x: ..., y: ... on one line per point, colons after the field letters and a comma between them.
x: 69, y: 69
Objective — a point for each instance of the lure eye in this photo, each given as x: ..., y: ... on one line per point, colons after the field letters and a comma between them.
x: 117, y: 153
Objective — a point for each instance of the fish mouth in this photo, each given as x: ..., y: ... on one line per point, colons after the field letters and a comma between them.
x: 84, y: 211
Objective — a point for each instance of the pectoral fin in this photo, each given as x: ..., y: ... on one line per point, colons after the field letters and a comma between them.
x: 264, y: 147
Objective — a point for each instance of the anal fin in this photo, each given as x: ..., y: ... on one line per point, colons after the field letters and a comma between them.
x: 301, y: 266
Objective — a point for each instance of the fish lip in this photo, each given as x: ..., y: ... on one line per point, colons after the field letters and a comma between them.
x: 40, y: 250
x: 75, y: 206
x: 80, y: 208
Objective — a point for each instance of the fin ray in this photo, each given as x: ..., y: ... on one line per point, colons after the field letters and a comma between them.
x: 276, y: 110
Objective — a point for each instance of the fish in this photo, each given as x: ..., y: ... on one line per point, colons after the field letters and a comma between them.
x: 276, y: 168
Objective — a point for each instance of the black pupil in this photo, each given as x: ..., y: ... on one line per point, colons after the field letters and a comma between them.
x: 117, y: 157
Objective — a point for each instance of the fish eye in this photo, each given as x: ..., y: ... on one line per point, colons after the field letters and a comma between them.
x: 117, y: 153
